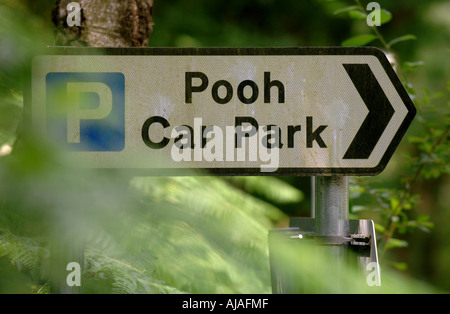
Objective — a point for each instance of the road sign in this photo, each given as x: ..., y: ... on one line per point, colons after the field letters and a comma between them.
x: 244, y: 111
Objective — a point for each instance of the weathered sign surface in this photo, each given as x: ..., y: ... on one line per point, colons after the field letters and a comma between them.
x: 230, y: 111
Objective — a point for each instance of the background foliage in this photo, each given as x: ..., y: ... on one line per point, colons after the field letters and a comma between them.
x: 208, y: 234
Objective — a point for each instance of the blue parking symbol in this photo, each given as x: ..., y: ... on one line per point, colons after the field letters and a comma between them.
x: 86, y: 111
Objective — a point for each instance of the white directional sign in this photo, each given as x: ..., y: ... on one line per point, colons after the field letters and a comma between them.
x: 245, y: 111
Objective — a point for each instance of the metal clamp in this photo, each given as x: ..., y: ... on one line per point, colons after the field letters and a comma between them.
x: 361, y: 239
x: 352, y: 239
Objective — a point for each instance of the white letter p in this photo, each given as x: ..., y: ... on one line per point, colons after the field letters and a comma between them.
x: 75, y: 114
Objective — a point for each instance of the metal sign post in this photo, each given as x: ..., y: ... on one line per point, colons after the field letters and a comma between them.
x: 332, y: 218
x: 327, y: 112
x: 332, y: 208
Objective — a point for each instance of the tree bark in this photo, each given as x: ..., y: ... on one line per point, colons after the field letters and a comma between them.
x: 105, y: 23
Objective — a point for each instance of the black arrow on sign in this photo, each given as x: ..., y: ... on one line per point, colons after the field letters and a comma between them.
x: 380, y: 111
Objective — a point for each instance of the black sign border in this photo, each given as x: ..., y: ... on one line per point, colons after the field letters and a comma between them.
x: 250, y: 51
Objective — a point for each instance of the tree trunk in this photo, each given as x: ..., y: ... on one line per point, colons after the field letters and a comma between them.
x: 105, y: 23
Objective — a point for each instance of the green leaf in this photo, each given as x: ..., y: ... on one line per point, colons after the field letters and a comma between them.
x: 355, y: 190
x: 357, y: 14
x: 346, y: 9
x: 437, y: 95
x: 407, y: 205
x: 416, y: 139
x: 423, y: 217
x: 271, y: 188
x: 394, y: 203
x: 359, y: 40
x: 385, y: 16
x: 402, y: 38
x: 400, y: 266
x: 424, y: 221
x: 358, y: 208
x: 379, y: 228
x: 411, y: 66
x: 393, y: 243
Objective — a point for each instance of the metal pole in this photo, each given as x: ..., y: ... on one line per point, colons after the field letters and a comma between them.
x: 332, y: 219
x: 313, y: 197
x: 331, y: 206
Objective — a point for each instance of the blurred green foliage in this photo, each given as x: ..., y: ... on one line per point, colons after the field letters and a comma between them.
x: 402, y: 208
x: 208, y: 234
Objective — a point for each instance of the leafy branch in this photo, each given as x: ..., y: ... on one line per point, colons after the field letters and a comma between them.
x: 433, y: 159
x: 358, y: 12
